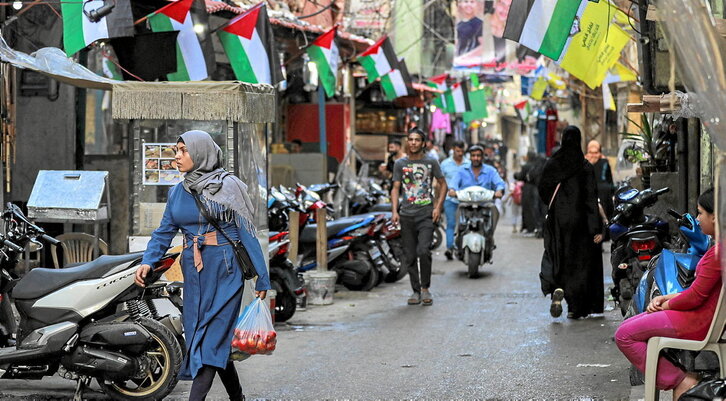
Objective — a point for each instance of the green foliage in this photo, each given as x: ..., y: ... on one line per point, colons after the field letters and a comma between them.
x: 644, y: 147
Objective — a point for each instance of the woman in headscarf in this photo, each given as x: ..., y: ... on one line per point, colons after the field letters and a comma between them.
x: 532, y: 213
x: 213, y: 280
x: 603, y: 176
x: 572, y: 263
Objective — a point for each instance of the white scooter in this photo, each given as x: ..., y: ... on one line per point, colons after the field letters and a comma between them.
x: 475, y: 219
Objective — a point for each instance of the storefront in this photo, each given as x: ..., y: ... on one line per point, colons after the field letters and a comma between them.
x: 238, y: 116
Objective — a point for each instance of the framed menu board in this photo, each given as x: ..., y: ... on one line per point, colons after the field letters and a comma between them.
x: 159, y: 166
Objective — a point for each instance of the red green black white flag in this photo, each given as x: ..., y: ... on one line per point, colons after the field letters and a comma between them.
x: 249, y: 43
x: 195, y: 58
x: 324, y: 53
x: 378, y: 59
x: 397, y: 82
x: 439, y: 82
x: 79, y: 31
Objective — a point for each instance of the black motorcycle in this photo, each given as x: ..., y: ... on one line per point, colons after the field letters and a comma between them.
x: 286, y: 281
x: 636, y: 238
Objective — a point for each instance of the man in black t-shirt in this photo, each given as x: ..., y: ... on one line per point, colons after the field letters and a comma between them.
x: 413, y: 177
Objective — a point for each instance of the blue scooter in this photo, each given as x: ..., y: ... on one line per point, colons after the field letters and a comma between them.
x: 671, y: 271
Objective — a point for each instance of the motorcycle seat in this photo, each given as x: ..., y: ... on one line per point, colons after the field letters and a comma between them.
x: 382, y: 207
x: 39, y: 281
x: 308, y: 234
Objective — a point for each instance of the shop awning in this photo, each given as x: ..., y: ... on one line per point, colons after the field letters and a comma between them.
x: 204, y: 100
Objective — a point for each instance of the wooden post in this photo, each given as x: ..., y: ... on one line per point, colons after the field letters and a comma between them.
x: 322, y: 239
x: 294, y: 235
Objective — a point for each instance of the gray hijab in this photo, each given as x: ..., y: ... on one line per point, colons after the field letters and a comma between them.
x: 224, y: 195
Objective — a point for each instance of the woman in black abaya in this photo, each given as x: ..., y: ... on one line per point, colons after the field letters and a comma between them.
x: 572, y: 264
x: 532, y: 214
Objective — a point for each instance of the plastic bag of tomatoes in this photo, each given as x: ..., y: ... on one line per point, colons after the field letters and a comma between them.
x: 254, y: 333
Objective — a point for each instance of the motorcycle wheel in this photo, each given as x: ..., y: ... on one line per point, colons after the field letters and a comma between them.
x: 393, y: 265
x: 438, y: 237
x: 165, y: 356
x: 370, y: 280
x: 285, y: 303
x: 397, y: 254
x: 474, y: 258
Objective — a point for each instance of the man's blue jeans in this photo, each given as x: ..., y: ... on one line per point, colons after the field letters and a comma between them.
x: 450, y: 211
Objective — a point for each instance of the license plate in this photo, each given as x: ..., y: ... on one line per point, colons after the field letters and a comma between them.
x: 375, y: 253
x: 385, y: 247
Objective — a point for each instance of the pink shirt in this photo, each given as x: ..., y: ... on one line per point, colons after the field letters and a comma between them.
x: 691, y: 312
x: 441, y: 121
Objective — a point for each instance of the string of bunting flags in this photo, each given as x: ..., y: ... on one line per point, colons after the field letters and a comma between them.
x: 583, y: 37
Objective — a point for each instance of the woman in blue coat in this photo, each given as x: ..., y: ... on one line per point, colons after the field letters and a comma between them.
x: 213, y: 281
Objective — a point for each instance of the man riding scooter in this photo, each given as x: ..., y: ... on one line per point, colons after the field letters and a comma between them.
x: 483, y: 175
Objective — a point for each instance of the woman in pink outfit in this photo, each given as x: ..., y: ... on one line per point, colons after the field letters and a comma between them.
x: 685, y: 315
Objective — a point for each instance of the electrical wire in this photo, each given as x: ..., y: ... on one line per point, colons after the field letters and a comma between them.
x: 630, y: 9
x: 315, y: 13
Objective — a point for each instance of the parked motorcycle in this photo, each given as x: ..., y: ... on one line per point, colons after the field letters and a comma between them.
x: 635, y: 239
x: 475, y: 227
x: 285, y: 280
x: 673, y: 270
x: 390, y: 244
x: 359, y: 269
x: 88, y: 322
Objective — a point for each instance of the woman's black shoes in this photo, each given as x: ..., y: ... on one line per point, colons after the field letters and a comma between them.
x: 556, y: 307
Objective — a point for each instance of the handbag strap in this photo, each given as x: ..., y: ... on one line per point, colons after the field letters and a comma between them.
x: 210, y: 219
x: 553, y: 196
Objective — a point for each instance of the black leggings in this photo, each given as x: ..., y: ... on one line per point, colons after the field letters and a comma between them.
x: 203, y: 382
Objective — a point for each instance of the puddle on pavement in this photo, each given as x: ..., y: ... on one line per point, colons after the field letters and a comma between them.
x: 313, y: 327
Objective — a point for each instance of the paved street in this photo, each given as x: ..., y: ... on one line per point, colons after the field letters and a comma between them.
x: 486, y: 338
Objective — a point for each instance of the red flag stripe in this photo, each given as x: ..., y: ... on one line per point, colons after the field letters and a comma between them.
x: 244, y: 25
x: 326, y: 40
x: 374, y: 49
x: 439, y: 79
x: 177, y: 10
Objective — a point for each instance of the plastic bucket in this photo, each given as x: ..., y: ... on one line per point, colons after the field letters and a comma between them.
x: 321, y: 286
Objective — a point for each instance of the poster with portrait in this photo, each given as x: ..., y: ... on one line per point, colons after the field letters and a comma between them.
x: 479, y: 43
x: 159, y: 165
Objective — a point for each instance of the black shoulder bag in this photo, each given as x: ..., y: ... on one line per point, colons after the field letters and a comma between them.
x: 243, y: 258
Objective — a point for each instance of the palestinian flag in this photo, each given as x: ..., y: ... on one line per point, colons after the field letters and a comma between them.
x: 457, y: 98
x: 79, y: 31
x: 249, y: 43
x: 324, y: 53
x: 397, y: 83
x: 439, y: 82
x: 192, y: 53
x: 541, y: 25
x: 379, y: 59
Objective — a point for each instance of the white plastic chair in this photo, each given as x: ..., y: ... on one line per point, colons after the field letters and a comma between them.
x: 710, y: 343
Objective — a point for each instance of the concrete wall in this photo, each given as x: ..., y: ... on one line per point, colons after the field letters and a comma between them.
x: 45, y: 139
x: 119, y: 178
x: 308, y: 167
x: 46, y: 129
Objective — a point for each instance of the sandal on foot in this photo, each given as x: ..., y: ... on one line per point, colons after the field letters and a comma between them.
x: 426, y: 297
x: 414, y: 299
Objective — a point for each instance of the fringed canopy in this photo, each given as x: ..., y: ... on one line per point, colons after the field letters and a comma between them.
x: 208, y: 100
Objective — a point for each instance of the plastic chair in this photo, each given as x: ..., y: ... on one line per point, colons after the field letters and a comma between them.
x: 710, y: 343
x: 77, y: 248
